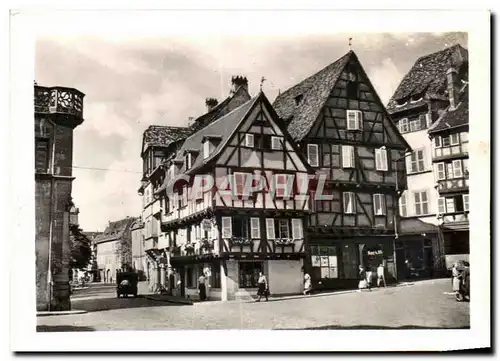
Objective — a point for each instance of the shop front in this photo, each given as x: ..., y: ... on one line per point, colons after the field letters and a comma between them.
x: 334, y: 263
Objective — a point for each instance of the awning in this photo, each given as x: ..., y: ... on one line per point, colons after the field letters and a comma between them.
x: 456, y: 226
x: 416, y: 226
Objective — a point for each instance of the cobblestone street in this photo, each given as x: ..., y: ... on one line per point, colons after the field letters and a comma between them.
x: 424, y: 304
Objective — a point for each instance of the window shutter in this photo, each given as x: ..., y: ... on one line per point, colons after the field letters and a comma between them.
x: 402, y: 205
x: 428, y: 120
x: 379, y: 204
x: 465, y: 199
x: 441, y: 206
x: 270, y: 228
x: 206, y: 149
x: 312, y: 154
x: 441, y: 172
x: 449, y: 171
x: 227, y: 231
x: 351, y: 120
x: 385, y: 163
x: 254, y: 228
x: 276, y: 143
x: 297, y: 228
x: 454, y: 139
x: 378, y: 159
x: 347, y: 156
x: 359, y: 118
x: 348, y: 202
x: 457, y: 168
x: 249, y: 140
x: 450, y: 205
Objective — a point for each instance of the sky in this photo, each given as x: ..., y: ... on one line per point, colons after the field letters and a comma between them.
x: 133, y: 83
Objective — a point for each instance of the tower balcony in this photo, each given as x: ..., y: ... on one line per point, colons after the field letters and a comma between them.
x: 63, y: 105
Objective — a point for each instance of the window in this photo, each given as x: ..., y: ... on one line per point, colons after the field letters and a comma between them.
x: 249, y: 274
x: 276, y: 143
x: 465, y: 163
x: 238, y: 186
x: 312, y: 155
x: 403, y: 125
x: 465, y: 199
x: 450, y: 205
x: 240, y: 227
x: 416, y: 162
x: 454, y: 139
x: 206, y: 149
x: 249, y: 141
x: 347, y: 156
x: 381, y: 159
x: 227, y: 230
x: 379, y: 204
x: 281, y: 228
x: 270, y: 228
x: 402, y: 206
x: 445, y: 141
x: 42, y: 155
x: 324, y: 262
x: 189, y: 161
x: 354, y: 119
x: 415, y: 125
x: 441, y: 171
x: 297, y: 230
x: 437, y: 142
x: 348, y: 202
x: 449, y: 170
x: 457, y: 168
x: 255, y: 228
x: 421, y: 204
x: 441, y: 206
x: 280, y: 185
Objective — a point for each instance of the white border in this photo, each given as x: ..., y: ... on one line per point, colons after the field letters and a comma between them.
x: 25, y: 25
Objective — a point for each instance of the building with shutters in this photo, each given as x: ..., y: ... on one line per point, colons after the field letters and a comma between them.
x: 58, y: 111
x: 340, y: 125
x: 160, y: 145
x: 419, y: 102
x: 236, y: 227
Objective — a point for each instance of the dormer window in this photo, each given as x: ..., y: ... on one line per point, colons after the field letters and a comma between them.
x: 206, y: 149
x: 298, y: 99
x: 276, y: 143
x: 189, y: 161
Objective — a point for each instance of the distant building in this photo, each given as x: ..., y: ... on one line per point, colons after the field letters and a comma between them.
x: 418, y: 106
x: 94, y: 272
x: 139, y: 258
x: 114, y: 248
x: 58, y: 111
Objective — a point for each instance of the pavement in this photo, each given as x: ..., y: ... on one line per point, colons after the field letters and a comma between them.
x: 423, y: 304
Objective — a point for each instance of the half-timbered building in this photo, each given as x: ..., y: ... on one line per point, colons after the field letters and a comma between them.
x: 415, y: 107
x: 247, y: 220
x: 345, y: 132
x: 450, y: 157
x: 159, y: 144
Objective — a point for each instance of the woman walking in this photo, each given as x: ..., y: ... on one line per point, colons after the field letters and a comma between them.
x: 202, y: 288
x: 263, y: 287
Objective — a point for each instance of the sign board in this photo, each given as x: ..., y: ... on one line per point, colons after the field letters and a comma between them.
x: 206, y: 224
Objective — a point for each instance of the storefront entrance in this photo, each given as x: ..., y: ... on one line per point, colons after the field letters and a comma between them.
x: 415, y: 258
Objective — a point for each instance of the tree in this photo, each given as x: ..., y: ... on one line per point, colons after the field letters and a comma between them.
x: 81, y: 248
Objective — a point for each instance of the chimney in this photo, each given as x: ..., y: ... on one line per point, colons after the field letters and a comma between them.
x: 190, y: 121
x: 452, y: 86
x: 237, y: 81
x: 211, y: 103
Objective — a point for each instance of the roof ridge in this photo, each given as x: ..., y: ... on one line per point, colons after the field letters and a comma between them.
x: 457, y: 45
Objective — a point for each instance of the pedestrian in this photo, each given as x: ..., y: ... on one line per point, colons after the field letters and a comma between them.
x: 381, y: 275
x: 458, y: 276
x: 307, y: 284
x: 369, y: 277
x: 362, y: 278
x: 263, y: 289
x: 202, y: 290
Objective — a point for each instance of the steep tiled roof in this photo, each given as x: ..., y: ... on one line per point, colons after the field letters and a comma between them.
x: 428, y: 75
x: 115, y: 230
x: 314, y: 92
x: 223, y: 128
x: 210, y: 116
x: 163, y: 135
x: 454, y: 117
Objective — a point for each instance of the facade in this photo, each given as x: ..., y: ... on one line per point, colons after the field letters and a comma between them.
x: 344, y: 131
x: 161, y: 143
x: 93, y: 271
x: 419, y: 101
x: 114, y: 248
x: 450, y: 157
x: 139, y: 258
x: 231, y: 231
x: 58, y: 111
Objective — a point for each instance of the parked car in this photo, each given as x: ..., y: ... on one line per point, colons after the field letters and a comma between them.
x: 126, y: 284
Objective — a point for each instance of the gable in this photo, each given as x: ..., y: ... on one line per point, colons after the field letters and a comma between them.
x: 353, y: 91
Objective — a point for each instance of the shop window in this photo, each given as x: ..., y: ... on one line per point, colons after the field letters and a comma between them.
x: 324, y: 261
x: 414, y: 255
x: 249, y: 274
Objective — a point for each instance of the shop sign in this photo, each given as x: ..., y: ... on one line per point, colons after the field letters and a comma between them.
x: 206, y: 224
x: 374, y: 252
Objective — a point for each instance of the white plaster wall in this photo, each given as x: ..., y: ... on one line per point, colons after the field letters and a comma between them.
x: 285, y: 276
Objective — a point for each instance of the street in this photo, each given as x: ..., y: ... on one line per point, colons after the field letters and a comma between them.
x: 424, y: 304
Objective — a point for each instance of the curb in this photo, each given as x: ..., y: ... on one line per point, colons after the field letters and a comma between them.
x: 180, y: 302
x: 60, y: 313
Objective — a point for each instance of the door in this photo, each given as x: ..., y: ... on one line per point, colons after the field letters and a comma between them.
x: 182, y: 272
x: 400, y: 264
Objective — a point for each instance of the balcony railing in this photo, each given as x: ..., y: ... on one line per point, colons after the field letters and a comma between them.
x: 60, y: 100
